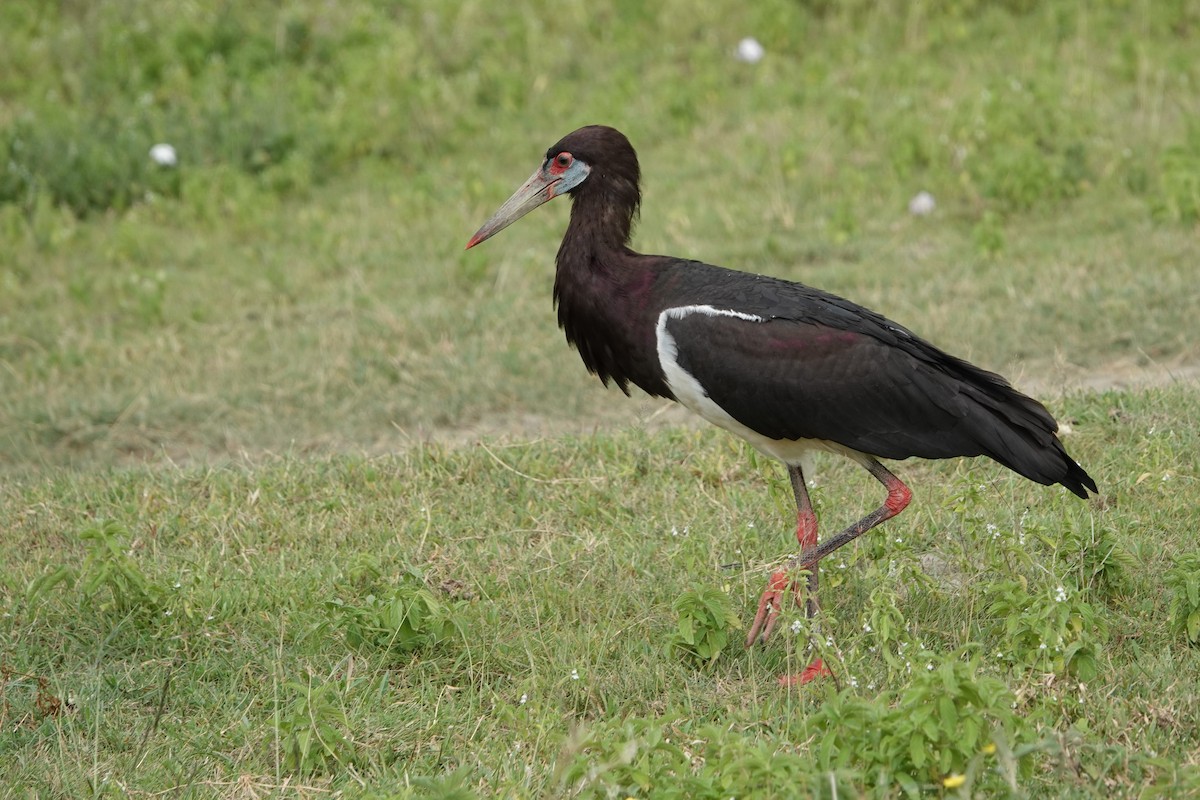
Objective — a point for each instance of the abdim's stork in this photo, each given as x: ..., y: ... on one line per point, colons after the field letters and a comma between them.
x: 789, y: 368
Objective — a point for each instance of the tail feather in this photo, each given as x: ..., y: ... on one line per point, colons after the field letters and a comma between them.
x: 1076, y: 479
x: 1022, y: 435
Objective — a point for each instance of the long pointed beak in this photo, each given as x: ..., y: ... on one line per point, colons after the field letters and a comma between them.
x: 539, y: 189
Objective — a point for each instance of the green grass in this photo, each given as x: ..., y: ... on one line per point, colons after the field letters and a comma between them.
x: 564, y: 558
x: 300, y: 499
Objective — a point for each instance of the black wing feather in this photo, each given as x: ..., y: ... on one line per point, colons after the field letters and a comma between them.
x: 821, y: 367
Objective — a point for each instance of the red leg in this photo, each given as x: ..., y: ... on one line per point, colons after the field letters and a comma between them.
x: 806, y: 534
x: 811, y: 553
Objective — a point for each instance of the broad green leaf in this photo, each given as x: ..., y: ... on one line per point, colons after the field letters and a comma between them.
x: 916, y: 750
x: 1193, y: 626
x: 949, y: 714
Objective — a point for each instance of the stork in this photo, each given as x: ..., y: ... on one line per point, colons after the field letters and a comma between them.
x: 789, y: 368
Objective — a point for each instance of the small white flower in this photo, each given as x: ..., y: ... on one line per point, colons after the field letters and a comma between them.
x: 899, y: 540
x: 524, y: 699
x: 829, y: 641
x: 209, y: 618
x: 164, y: 155
x: 749, y: 524
x: 178, y: 584
x: 929, y: 666
x: 1060, y: 595
x: 854, y: 681
x: 167, y: 613
x: 867, y: 627
x: 796, y: 626
x: 841, y: 565
x: 574, y: 674
x: 922, y: 204
x: 1042, y: 646
x: 749, y: 51
x: 993, y: 530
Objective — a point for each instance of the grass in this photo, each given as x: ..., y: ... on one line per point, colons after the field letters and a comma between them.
x: 299, y: 499
x: 559, y: 562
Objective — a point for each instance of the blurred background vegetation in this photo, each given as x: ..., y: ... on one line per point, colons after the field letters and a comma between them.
x: 1066, y: 99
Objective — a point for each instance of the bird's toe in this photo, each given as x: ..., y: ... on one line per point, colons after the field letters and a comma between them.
x: 768, y: 608
x: 816, y: 669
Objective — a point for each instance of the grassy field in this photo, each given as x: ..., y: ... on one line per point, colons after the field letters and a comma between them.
x: 298, y: 499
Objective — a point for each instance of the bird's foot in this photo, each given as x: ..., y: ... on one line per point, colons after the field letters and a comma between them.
x: 816, y: 669
x: 772, y: 600
x: 767, y: 617
x: 769, y: 606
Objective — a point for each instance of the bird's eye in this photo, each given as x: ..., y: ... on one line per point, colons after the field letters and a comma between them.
x: 560, y: 163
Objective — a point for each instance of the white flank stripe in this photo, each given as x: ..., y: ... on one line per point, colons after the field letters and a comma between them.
x: 692, y: 396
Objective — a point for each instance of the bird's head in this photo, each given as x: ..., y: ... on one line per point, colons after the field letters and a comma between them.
x: 595, y: 160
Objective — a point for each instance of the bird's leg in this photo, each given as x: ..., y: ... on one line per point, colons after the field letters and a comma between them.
x: 898, y: 498
x: 806, y: 534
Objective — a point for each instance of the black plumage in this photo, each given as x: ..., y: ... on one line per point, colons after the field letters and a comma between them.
x: 789, y: 367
